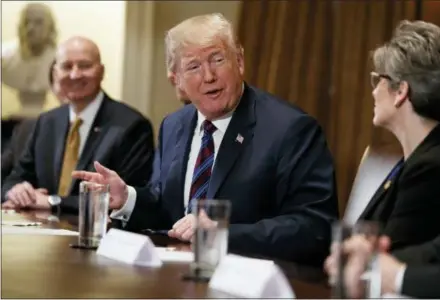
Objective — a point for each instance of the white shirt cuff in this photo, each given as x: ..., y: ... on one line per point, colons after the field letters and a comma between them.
x: 398, y: 281
x: 124, y: 213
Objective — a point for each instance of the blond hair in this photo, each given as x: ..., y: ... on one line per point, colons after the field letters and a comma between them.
x: 22, y: 32
x: 199, y: 31
x: 413, y: 55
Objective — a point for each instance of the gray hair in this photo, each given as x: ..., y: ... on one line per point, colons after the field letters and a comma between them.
x: 200, y: 31
x: 413, y: 55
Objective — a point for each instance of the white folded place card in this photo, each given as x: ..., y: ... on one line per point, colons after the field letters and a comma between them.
x: 172, y: 255
x: 395, y: 296
x: 250, y: 278
x: 130, y: 248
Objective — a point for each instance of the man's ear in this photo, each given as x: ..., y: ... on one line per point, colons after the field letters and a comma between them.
x: 172, y: 78
x: 401, y: 94
x: 240, y: 60
x: 178, y: 81
x: 102, y: 72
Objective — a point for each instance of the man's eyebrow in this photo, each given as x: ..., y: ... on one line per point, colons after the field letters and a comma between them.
x: 216, y: 52
x: 190, y: 59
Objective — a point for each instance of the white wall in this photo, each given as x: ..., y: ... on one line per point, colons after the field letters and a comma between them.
x: 101, y: 21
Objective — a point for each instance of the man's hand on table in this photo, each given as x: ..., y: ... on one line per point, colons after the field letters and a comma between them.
x: 184, y: 229
x: 24, y: 195
x: 8, y: 205
x: 41, y: 200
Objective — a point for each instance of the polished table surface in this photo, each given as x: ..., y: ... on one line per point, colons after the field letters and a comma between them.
x: 44, y: 266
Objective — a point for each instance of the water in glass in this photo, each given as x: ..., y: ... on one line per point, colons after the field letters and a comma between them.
x: 210, y: 243
x: 93, y: 213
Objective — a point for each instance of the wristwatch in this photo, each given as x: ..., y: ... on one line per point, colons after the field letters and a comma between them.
x: 54, y: 200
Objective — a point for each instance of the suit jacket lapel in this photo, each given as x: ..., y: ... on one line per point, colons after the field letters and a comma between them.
x: 385, y: 188
x: 61, y: 130
x: 374, y: 201
x: 432, y: 139
x: 97, y: 131
x: 237, y: 136
x: 176, y: 178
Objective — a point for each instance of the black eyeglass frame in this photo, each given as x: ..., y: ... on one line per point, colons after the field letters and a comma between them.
x: 375, y: 78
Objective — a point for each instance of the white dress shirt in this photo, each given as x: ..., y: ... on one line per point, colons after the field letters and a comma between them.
x: 87, y: 116
x: 221, y: 124
x: 398, y: 281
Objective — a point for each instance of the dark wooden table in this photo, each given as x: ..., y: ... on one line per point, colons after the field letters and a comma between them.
x: 43, y: 266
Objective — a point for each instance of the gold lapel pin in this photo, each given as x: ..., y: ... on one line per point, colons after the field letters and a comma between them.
x: 387, y: 184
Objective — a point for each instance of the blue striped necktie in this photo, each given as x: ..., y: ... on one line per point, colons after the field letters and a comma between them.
x: 204, y: 163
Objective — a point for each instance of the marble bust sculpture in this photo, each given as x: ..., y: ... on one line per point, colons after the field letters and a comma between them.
x: 26, y: 61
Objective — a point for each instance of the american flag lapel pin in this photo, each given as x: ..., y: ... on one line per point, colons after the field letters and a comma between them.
x: 239, y: 138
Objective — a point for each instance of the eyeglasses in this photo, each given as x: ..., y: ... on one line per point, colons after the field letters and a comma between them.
x: 196, y: 67
x: 376, y: 77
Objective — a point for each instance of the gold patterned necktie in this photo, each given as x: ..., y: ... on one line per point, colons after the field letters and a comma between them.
x: 70, y: 158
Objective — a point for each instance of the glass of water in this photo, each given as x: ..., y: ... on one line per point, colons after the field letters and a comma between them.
x: 210, y: 242
x: 345, y: 285
x: 93, y: 213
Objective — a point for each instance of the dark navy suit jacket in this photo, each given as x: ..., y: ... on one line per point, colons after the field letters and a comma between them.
x: 279, y: 179
x: 120, y: 138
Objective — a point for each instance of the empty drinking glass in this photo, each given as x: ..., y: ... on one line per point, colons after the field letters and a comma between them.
x: 93, y: 213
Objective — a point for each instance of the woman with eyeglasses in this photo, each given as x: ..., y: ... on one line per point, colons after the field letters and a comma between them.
x: 406, y: 92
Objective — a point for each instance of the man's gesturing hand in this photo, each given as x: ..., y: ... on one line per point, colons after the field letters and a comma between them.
x: 103, y: 175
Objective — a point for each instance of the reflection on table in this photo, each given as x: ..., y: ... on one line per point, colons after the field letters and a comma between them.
x: 44, y: 266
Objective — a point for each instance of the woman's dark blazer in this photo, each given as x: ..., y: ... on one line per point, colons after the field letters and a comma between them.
x: 408, y: 204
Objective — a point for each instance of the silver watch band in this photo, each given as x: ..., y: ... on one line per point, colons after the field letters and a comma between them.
x: 54, y: 200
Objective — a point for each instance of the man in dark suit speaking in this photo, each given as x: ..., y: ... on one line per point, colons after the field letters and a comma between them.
x: 233, y: 142
x: 91, y: 127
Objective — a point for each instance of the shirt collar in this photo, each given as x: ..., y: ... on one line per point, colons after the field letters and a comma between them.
x: 88, y: 114
x: 221, y: 123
